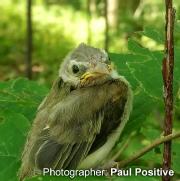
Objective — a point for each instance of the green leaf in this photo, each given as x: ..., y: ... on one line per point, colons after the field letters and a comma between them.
x: 13, y: 131
x: 120, y: 61
x: 176, y: 156
x: 147, y: 86
x: 22, y: 96
x: 153, y: 34
x: 9, y: 167
x: 18, y: 102
x: 136, y: 48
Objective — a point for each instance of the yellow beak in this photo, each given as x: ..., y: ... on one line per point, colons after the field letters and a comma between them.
x: 97, y: 72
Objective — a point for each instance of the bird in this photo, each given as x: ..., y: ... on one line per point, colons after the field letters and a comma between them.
x: 82, y: 117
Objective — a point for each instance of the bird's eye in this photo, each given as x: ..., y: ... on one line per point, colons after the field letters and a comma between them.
x: 75, y: 69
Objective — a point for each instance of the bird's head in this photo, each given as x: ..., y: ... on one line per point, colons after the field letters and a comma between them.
x: 86, y: 66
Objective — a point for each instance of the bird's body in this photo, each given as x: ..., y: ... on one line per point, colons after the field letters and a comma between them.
x: 82, y: 117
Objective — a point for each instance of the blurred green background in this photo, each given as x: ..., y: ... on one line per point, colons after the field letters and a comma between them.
x: 60, y: 25
x: 134, y: 39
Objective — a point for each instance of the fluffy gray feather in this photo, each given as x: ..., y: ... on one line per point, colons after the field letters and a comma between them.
x: 81, y: 118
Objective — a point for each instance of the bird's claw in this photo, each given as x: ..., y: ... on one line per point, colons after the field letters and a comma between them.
x: 111, y: 164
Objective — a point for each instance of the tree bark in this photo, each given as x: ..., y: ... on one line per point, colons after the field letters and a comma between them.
x: 28, y: 59
x: 167, y: 71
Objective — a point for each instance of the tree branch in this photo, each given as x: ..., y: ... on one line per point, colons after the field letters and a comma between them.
x: 167, y: 71
x: 147, y: 149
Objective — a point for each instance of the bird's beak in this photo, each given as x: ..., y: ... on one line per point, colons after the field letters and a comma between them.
x: 95, y: 72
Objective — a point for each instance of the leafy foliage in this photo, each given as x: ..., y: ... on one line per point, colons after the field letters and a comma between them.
x: 20, y: 98
x: 142, y: 68
x: 18, y: 103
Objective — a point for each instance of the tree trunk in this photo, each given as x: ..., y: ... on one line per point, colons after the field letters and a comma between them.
x: 92, y: 5
x: 89, y: 22
x: 113, y: 6
x: 106, y: 42
x: 28, y: 60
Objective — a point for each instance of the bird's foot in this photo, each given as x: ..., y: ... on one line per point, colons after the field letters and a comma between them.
x: 110, y: 164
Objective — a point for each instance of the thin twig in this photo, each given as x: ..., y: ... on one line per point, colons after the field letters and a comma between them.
x: 147, y: 149
x: 167, y: 71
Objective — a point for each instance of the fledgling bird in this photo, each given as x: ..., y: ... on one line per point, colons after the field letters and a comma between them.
x: 82, y: 117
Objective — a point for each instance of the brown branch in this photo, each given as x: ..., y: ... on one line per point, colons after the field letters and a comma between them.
x: 167, y: 71
x: 147, y: 149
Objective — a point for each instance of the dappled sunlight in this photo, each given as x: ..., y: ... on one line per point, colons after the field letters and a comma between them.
x: 151, y: 44
x: 59, y: 27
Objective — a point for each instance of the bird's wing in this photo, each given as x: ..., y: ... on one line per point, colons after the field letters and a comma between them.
x: 67, y: 130
x: 76, y: 123
x: 62, y: 144
x: 113, y: 112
